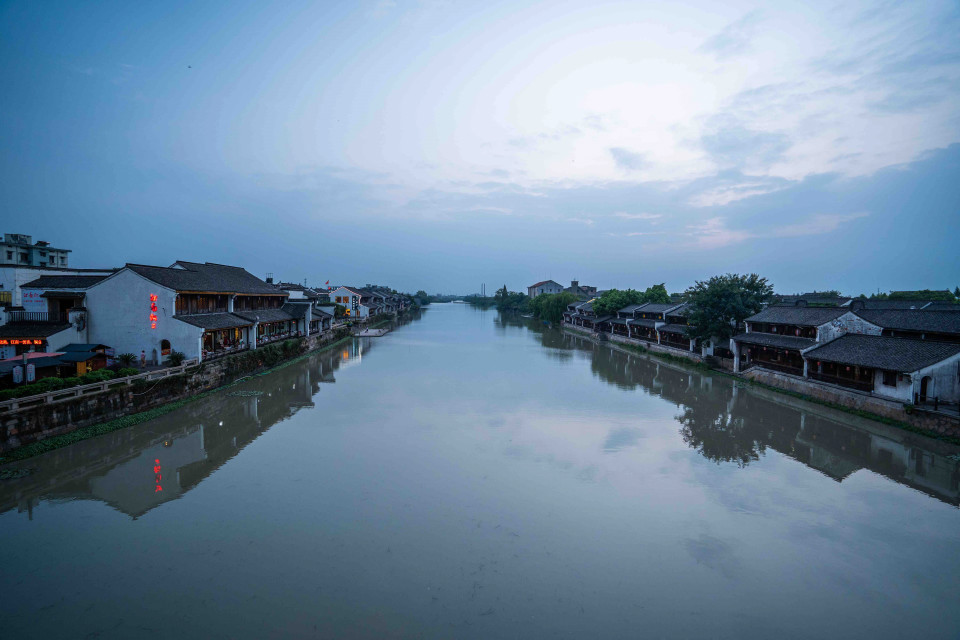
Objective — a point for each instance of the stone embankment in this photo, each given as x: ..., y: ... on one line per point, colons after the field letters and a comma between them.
x: 929, y: 422
x: 31, y: 424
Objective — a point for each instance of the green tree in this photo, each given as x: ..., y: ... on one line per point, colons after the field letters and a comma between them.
x: 550, y: 307
x: 923, y: 294
x: 721, y: 304
x: 613, y: 300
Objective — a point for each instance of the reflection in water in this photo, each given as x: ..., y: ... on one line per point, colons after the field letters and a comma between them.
x: 135, y: 470
x: 486, y: 477
x: 727, y: 424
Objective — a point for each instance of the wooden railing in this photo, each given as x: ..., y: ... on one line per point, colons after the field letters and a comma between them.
x: 62, y: 395
x: 778, y: 367
x: 38, y: 316
x: 843, y: 382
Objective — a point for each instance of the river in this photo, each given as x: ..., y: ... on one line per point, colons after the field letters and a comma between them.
x: 472, y: 476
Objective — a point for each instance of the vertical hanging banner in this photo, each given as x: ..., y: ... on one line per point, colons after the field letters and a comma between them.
x: 153, y: 311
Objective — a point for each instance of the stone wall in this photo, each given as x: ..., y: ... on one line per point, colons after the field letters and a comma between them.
x: 928, y: 421
x: 652, y: 347
x: 38, y: 422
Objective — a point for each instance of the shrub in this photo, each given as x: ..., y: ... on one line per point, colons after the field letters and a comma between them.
x: 126, y: 359
x: 100, y: 375
x: 127, y: 371
x: 71, y: 382
x: 176, y: 358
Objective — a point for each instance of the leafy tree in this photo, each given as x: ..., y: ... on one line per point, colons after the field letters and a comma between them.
x: 721, y: 303
x: 922, y: 294
x: 507, y: 300
x: 422, y: 296
x: 126, y: 359
x: 956, y: 292
x: 550, y: 307
x: 613, y: 300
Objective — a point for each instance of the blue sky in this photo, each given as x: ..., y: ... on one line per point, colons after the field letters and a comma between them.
x: 440, y: 145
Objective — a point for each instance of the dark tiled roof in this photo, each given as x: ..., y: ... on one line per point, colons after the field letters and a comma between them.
x: 881, y: 352
x: 802, y: 316
x: 62, y: 282
x: 674, y: 328
x: 913, y: 320
x: 940, y: 305
x: 194, y: 276
x: 39, y: 363
x: 320, y: 315
x: 80, y: 356
x: 82, y: 347
x: 297, y: 310
x: 214, y: 320
x: 618, y: 321
x: 892, y: 304
x: 660, y: 308
x: 774, y: 340
x: 265, y: 315
x: 585, y: 306
x: 631, y: 308
x: 644, y: 322
x: 32, y: 329
x: 602, y: 319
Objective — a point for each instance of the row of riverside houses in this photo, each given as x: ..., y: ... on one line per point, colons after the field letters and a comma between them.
x: 903, y: 351
x: 203, y: 310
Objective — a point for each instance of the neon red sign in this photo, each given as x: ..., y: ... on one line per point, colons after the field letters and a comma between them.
x: 157, y: 476
x: 153, y: 311
x: 20, y: 341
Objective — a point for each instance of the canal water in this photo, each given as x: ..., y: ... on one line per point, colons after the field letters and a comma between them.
x: 472, y: 476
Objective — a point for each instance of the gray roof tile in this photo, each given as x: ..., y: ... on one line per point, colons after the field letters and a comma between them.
x: 774, y: 340
x: 801, y: 316
x: 914, y: 320
x: 881, y: 352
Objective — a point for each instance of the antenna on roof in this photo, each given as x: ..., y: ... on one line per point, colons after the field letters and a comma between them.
x: 269, y: 277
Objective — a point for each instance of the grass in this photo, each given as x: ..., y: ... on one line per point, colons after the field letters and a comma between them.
x: 92, y: 431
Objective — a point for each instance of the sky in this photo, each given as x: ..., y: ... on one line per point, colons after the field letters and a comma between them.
x: 441, y: 145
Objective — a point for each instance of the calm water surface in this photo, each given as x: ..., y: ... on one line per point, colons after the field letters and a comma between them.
x: 468, y: 476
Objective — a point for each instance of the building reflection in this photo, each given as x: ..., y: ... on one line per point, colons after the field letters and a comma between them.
x: 135, y: 470
x: 733, y: 424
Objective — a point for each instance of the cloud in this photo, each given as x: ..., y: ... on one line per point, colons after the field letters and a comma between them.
x: 734, y: 39
x: 638, y: 216
x: 628, y: 160
x: 820, y: 223
x: 730, y: 144
x: 714, y: 232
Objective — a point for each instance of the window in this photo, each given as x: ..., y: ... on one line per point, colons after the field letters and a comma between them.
x: 9, y: 255
x: 164, y: 347
x: 890, y: 378
x: 23, y: 257
x: 43, y: 254
x: 63, y: 259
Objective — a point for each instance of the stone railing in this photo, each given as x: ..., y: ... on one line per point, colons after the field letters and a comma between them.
x: 62, y: 395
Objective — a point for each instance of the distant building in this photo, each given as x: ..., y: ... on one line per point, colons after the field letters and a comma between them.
x: 21, y: 250
x: 546, y: 286
x: 22, y: 260
x: 581, y: 291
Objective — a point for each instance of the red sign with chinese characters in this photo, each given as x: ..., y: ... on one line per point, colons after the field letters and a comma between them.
x: 20, y: 341
x: 156, y: 474
x: 153, y: 311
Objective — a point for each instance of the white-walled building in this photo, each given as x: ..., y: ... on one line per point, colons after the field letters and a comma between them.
x: 546, y: 286
x: 898, y: 369
x: 360, y: 303
x: 199, y: 309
